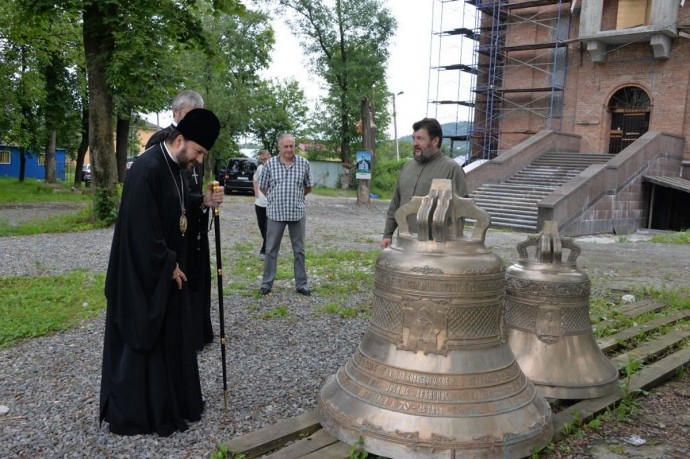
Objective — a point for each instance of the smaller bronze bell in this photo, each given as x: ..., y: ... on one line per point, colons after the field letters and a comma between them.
x: 547, y: 316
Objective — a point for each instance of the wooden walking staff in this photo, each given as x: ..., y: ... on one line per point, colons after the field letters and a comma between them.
x: 219, y: 267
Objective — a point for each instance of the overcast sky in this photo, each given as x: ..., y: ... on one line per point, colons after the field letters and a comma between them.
x: 409, y: 63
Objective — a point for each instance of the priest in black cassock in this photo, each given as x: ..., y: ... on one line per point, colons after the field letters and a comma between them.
x: 150, y: 376
x: 199, y: 254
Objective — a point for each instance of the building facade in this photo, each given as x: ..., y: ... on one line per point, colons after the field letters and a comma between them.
x: 607, y: 70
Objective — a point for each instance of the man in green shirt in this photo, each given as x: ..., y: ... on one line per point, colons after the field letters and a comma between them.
x: 416, y: 176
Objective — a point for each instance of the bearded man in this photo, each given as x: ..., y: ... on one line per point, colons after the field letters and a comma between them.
x: 150, y: 375
x: 416, y: 175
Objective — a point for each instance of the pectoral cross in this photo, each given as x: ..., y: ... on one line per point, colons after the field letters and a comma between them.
x: 195, y: 175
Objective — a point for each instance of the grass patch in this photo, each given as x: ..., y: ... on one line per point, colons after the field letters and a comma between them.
x: 672, y: 238
x: 31, y: 190
x: 334, y: 192
x: 277, y: 312
x: 36, y: 306
x: 346, y: 312
x: 82, y: 220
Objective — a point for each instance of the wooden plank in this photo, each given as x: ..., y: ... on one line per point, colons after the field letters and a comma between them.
x: 612, y: 342
x: 650, y: 350
x: 630, y: 310
x: 645, y: 379
x: 272, y: 437
x: 638, y: 308
x: 315, y: 442
x: 661, y: 371
x: 337, y: 450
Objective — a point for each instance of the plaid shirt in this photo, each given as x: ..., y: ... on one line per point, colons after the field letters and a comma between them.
x: 286, y: 186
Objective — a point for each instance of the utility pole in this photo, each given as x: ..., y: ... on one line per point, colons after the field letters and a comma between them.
x: 395, y: 127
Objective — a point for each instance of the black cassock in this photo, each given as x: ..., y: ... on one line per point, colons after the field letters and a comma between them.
x: 199, y: 261
x: 150, y: 376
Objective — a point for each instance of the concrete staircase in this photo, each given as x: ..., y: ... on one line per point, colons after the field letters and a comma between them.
x: 513, y: 202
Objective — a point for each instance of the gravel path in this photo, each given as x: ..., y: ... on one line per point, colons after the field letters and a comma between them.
x: 276, y: 367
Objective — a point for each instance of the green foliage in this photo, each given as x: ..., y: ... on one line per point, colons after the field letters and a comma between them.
x: 357, y: 450
x: 105, y: 206
x: 348, y: 46
x: 36, y: 306
x: 384, y: 176
x: 227, y: 73
x: 277, y: 107
x: 222, y: 452
x: 682, y: 237
x: 277, y: 312
x: 574, y: 426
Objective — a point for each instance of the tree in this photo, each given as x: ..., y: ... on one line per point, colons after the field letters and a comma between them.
x: 277, y: 107
x: 22, y: 83
x: 239, y: 49
x: 110, y: 28
x: 41, y: 54
x: 349, y: 46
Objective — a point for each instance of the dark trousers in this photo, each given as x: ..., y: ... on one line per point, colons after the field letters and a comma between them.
x: 261, y: 220
x: 274, y: 235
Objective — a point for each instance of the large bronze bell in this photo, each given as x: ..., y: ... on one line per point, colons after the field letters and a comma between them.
x: 547, y: 315
x: 433, y: 376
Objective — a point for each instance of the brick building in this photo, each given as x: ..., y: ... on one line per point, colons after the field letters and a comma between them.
x: 608, y: 77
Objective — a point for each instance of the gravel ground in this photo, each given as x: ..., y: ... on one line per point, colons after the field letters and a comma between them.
x: 275, y: 367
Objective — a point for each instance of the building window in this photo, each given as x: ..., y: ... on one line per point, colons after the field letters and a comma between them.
x: 5, y: 157
x: 633, y: 13
x: 39, y: 160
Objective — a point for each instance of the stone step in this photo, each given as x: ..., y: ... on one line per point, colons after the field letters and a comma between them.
x: 507, y: 204
x: 492, y: 196
x: 513, y: 202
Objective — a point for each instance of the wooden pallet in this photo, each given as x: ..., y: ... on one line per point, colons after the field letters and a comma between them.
x: 303, y: 437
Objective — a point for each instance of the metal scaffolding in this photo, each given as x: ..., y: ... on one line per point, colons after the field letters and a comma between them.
x: 517, y: 68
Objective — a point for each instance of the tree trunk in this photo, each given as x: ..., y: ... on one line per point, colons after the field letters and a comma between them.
x: 22, y: 164
x: 83, y: 146
x: 368, y: 144
x: 98, y: 48
x: 49, y: 158
x: 121, y: 147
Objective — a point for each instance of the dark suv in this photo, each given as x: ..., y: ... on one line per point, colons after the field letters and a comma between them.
x: 239, y: 174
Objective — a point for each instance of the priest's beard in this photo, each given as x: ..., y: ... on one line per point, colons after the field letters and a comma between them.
x: 424, y: 156
x: 182, y: 159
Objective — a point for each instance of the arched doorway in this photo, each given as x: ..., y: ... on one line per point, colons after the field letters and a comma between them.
x: 630, y: 108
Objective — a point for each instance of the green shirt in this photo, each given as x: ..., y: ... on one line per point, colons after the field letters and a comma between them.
x: 415, y: 180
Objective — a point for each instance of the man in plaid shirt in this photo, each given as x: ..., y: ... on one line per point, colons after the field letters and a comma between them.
x: 285, y: 180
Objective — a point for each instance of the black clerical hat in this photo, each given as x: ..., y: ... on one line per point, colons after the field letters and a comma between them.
x: 200, y: 126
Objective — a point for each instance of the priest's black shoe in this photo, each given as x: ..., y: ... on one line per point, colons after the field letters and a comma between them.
x: 304, y: 291
x: 265, y: 290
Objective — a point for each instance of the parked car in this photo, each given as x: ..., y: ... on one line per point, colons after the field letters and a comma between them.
x: 239, y: 174
x: 86, y: 174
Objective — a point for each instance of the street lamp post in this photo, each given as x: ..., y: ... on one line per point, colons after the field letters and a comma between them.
x: 395, y: 127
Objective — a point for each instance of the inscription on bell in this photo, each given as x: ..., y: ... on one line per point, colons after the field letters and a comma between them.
x: 397, y: 389
x: 426, y: 394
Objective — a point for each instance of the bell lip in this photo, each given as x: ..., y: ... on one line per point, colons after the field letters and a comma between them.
x: 604, y: 389
x: 536, y: 436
